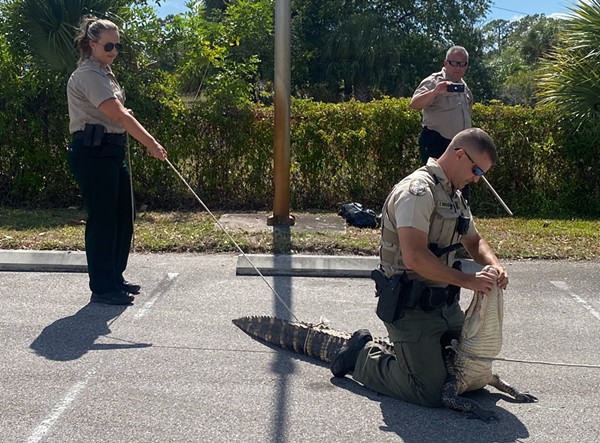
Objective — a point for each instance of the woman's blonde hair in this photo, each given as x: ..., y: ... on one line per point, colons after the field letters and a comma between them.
x: 90, y: 28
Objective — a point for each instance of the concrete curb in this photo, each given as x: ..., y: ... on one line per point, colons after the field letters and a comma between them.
x: 43, y: 261
x: 307, y: 265
x: 272, y: 265
x: 317, y: 265
x: 336, y: 266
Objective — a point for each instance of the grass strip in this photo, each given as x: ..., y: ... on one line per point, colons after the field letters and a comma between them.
x: 156, y: 232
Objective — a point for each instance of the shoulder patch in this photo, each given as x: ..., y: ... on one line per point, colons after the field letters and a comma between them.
x: 417, y: 187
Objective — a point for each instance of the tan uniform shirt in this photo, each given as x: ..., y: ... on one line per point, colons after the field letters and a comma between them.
x: 450, y: 113
x: 89, y: 86
x: 424, y: 200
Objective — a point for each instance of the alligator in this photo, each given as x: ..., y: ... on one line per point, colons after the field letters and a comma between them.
x: 468, y: 360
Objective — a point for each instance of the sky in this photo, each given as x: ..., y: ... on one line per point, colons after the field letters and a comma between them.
x: 501, y: 9
x: 515, y: 9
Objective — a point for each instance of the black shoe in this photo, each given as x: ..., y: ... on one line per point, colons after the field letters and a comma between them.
x: 112, y: 298
x: 345, y: 360
x: 130, y: 287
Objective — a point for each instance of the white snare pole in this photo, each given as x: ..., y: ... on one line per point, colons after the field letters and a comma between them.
x: 232, y: 240
x: 487, y: 183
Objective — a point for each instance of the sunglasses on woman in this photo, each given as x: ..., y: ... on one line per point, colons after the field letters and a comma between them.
x: 110, y: 46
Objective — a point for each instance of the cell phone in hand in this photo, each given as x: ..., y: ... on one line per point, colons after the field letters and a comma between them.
x: 456, y: 87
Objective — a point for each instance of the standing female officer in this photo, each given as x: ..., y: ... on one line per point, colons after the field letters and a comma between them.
x: 98, y: 121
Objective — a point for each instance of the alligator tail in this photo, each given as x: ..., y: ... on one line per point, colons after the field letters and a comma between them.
x: 314, y: 340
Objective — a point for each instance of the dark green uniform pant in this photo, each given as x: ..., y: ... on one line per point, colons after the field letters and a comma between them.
x: 103, y: 179
x: 417, y: 373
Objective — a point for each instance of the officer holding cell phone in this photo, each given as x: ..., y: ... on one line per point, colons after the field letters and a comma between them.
x: 98, y: 121
x: 446, y: 102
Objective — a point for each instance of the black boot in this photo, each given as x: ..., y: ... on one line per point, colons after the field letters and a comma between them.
x: 345, y: 360
x: 130, y: 288
x: 112, y: 298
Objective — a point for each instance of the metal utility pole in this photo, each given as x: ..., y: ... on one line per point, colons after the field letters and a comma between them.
x: 281, y: 158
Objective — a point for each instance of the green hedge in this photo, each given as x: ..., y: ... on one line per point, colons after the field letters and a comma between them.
x: 546, y: 166
x: 33, y: 141
x: 340, y: 153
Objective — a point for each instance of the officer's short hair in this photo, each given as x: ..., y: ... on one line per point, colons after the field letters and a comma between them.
x: 478, y: 140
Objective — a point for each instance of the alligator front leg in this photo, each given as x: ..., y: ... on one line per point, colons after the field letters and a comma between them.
x: 501, y: 385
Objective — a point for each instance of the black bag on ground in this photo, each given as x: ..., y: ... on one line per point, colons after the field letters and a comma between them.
x: 356, y: 215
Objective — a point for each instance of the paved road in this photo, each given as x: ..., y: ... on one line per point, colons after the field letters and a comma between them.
x: 173, y: 368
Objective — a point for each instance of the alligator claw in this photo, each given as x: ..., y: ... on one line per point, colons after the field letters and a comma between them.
x: 526, y: 398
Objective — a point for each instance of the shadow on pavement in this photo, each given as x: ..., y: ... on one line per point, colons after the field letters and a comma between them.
x: 412, y: 423
x: 72, y: 337
x: 283, y: 288
x: 418, y: 424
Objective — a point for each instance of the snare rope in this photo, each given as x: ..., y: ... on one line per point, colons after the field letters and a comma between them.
x: 454, y: 347
x: 232, y: 240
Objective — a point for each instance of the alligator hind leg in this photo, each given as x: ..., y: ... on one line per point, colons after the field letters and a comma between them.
x: 452, y: 400
x: 501, y: 385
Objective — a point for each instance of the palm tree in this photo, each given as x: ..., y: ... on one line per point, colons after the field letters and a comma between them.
x: 570, y: 76
x: 51, y: 27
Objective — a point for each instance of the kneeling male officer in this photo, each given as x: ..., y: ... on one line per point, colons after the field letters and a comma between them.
x: 425, y: 218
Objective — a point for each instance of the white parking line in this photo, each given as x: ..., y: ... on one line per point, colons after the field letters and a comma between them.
x: 58, y: 410
x: 160, y: 290
x: 565, y: 287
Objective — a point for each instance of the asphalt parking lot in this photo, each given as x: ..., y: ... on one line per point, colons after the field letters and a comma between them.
x: 173, y: 368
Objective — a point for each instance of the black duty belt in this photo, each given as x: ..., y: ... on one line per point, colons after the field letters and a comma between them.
x: 110, y: 138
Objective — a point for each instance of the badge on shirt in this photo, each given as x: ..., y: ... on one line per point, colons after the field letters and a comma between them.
x: 417, y: 187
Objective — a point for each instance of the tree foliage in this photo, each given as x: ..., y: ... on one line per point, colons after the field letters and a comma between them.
x: 570, y: 76
x: 191, y: 78
x: 386, y: 47
x: 513, y: 52
x: 223, y: 48
x: 45, y: 29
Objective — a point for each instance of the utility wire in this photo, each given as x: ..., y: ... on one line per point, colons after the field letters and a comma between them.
x: 509, y: 10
